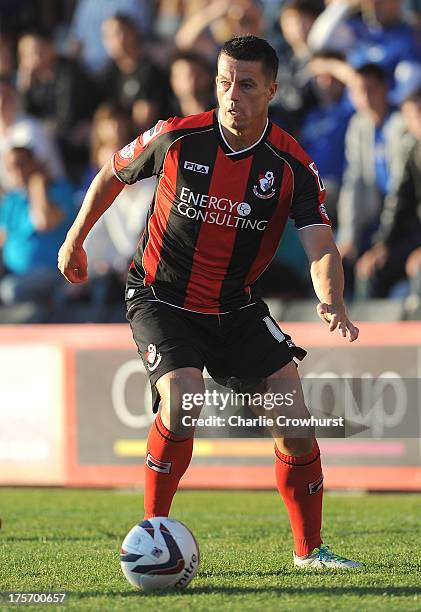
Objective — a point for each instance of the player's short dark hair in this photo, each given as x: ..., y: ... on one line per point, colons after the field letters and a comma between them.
x: 251, y: 48
x: 309, y: 7
x: 373, y: 71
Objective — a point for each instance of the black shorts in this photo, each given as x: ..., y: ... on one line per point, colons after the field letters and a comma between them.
x: 238, y: 349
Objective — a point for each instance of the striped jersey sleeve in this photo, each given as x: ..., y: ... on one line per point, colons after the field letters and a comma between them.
x: 144, y: 156
x: 308, y: 203
x: 309, y: 192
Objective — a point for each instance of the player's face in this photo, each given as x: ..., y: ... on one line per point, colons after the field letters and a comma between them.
x: 244, y: 92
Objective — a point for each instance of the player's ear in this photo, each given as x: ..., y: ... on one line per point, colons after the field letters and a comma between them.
x: 272, y: 90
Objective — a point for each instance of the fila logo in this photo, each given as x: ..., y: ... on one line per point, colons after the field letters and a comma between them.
x: 159, y: 466
x: 196, y: 167
x: 315, y: 486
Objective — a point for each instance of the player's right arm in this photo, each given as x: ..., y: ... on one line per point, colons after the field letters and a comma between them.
x: 141, y: 158
x: 72, y: 260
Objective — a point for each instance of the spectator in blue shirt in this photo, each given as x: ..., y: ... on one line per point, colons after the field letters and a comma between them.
x: 85, y: 31
x: 324, y: 127
x: 378, y: 34
x: 397, y: 244
x: 35, y: 215
x: 373, y: 137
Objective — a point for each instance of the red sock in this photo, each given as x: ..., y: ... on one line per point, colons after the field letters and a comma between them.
x: 300, y: 483
x: 167, y: 458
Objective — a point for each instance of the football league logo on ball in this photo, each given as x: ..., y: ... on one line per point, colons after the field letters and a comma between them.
x: 264, y: 188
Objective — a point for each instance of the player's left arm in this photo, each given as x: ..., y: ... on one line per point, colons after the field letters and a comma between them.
x: 328, y: 278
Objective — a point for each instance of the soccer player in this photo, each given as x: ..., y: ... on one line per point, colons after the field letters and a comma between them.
x: 227, y: 181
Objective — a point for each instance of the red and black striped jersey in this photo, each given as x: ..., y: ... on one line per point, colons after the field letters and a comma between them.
x: 217, y: 215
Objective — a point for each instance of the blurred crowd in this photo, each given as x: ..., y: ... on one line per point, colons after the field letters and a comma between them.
x: 79, y: 79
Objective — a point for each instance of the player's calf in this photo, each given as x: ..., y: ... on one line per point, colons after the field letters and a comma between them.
x: 170, y: 442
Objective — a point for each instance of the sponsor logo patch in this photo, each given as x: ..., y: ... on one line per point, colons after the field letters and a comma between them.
x: 194, y: 167
x: 218, y: 210
x: 158, y: 466
x: 244, y: 209
x: 315, y: 486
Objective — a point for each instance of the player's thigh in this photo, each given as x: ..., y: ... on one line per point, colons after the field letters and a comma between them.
x: 254, y: 347
x: 285, y: 387
x: 167, y: 342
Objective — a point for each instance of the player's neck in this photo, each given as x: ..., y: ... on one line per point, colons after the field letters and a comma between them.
x: 239, y: 140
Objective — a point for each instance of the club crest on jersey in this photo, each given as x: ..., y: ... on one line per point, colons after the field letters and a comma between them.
x: 264, y: 188
x: 152, y: 357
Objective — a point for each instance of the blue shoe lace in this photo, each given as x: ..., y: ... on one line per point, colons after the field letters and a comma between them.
x: 325, y: 554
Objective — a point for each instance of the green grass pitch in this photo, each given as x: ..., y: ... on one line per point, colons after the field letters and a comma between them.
x: 69, y: 540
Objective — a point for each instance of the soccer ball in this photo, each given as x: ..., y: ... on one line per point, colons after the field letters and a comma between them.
x: 160, y: 553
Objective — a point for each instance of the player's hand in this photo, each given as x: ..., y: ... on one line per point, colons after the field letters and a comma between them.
x: 337, y: 318
x: 73, y: 263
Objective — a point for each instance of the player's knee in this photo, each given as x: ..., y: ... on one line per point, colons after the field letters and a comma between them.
x: 181, y: 394
x: 295, y: 447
